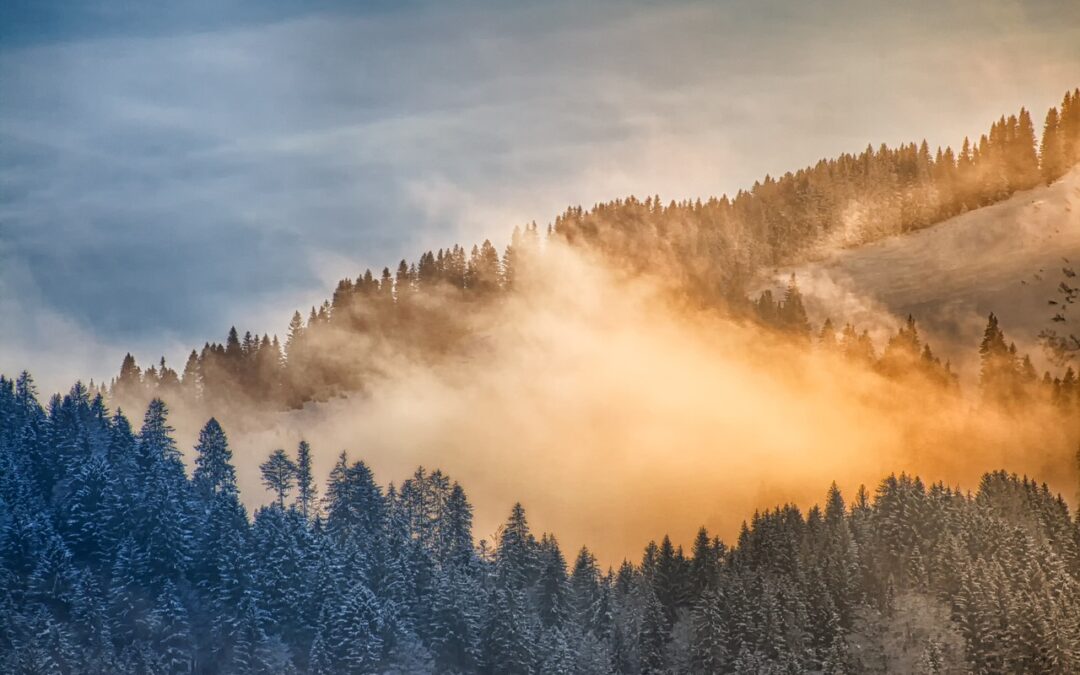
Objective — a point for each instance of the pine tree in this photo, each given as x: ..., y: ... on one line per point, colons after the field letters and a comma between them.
x: 704, y: 565
x: 668, y: 581
x: 589, y: 596
x: 1052, y: 152
x: 305, y: 483
x: 164, y: 513
x: 793, y: 313
x: 516, y: 556
x: 214, y: 471
x: 356, y: 510
x: 654, y: 632
x: 278, y: 475
x: 87, y: 513
x: 457, y: 527
x: 508, y: 638
x: 551, y: 588
x: 454, y: 626
x: 1024, y: 162
x: 710, y: 638
x: 128, y: 385
x: 827, y: 336
x: 998, y: 365
x: 172, y: 633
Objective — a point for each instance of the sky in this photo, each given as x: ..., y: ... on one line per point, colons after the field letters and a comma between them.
x: 169, y: 171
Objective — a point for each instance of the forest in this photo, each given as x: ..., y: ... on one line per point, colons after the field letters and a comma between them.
x: 114, y: 560
x: 704, y: 253
x: 121, y: 552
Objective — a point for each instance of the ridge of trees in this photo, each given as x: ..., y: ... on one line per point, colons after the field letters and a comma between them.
x: 706, y: 250
x: 1007, y: 379
x: 114, y: 560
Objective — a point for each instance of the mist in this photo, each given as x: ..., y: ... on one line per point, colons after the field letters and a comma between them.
x: 615, y: 412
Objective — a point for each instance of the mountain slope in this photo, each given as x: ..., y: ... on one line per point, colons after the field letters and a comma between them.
x: 1006, y: 258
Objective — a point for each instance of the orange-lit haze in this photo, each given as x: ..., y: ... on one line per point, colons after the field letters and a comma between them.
x: 616, y: 414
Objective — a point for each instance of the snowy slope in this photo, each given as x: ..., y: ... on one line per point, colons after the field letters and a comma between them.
x: 1006, y: 258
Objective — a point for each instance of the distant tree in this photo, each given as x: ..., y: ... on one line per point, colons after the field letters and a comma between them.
x: 827, y: 336
x: 998, y: 371
x: 356, y: 509
x: 710, y: 638
x: 214, y: 471
x: 305, y: 483
x: 589, y: 596
x: 278, y: 475
x: 516, y: 555
x: 457, y: 540
x: 1023, y: 159
x: 793, y: 313
x: 128, y: 384
x: 1052, y: 150
x: 552, y: 597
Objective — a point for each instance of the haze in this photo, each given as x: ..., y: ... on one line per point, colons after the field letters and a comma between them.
x: 616, y: 414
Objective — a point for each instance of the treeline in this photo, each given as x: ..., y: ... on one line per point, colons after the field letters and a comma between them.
x: 905, y: 357
x: 1007, y: 379
x: 255, y: 369
x: 851, y: 199
x: 114, y: 560
x: 703, y: 250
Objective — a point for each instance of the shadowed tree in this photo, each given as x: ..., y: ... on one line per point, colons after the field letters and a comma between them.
x: 306, y: 491
x: 214, y: 471
x: 278, y: 475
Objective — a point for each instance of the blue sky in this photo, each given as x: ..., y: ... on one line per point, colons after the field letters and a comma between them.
x: 170, y: 169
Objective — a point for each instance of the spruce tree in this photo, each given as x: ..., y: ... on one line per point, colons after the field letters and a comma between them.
x: 278, y: 475
x: 516, y: 556
x: 551, y: 588
x: 306, y: 490
x: 214, y: 471
x: 1052, y: 152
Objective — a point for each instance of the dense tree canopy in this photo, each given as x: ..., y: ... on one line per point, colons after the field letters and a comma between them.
x: 113, y: 560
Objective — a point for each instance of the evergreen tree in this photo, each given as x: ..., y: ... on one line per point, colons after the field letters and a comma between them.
x: 457, y: 541
x: 454, y: 626
x: 1052, y: 149
x: 172, y: 633
x: 278, y: 475
x: 214, y: 471
x: 998, y: 365
x: 305, y: 482
x: 508, y: 636
x: 710, y: 638
x: 516, y: 556
x: 553, y: 603
x: 163, y: 518
x: 655, y: 629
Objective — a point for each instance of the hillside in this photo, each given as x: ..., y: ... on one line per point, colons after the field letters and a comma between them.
x: 702, y: 251
x: 114, y: 560
x: 1006, y: 258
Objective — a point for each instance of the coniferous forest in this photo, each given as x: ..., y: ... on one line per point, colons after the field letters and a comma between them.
x: 115, y: 559
x: 121, y: 552
x: 703, y: 252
